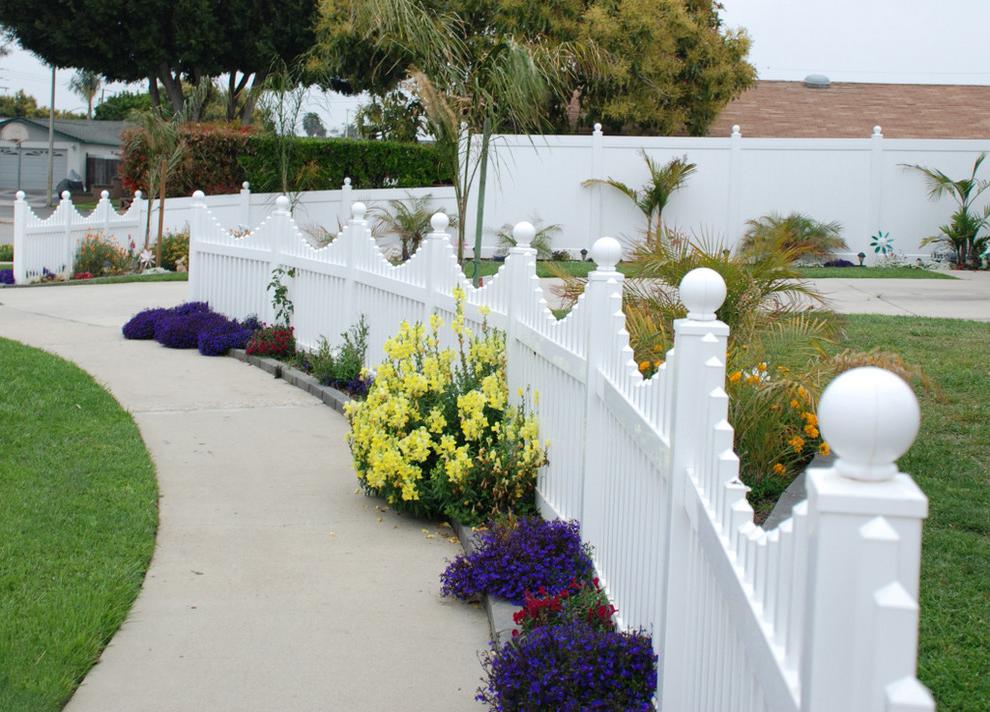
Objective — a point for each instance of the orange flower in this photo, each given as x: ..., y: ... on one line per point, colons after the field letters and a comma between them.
x: 824, y: 449
x: 797, y: 442
x: 779, y: 469
x: 811, y: 431
x: 795, y: 405
x: 810, y: 418
x: 735, y: 377
x: 643, y: 365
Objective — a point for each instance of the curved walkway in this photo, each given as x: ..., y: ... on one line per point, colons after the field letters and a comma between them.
x: 274, y: 586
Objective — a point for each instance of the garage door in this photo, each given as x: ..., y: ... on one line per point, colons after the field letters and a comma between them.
x: 34, y: 168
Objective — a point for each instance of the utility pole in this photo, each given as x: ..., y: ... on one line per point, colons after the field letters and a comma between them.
x: 51, y: 140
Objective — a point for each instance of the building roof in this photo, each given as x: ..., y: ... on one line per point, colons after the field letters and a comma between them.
x: 847, y: 110
x: 104, y: 133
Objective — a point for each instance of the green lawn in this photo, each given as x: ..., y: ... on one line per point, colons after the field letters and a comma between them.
x: 6, y: 265
x: 544, y: 268
x: 871, y: 273
x: 87, y: 204
x: 119, y: 279
x: 78, y: 513
x: 951, y: 462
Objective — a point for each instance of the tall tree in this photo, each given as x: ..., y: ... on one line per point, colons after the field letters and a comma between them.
x: 313, y: 125
x: 166, y: 42
x: 86, y: 84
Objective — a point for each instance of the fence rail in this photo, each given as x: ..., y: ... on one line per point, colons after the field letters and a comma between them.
x: 50, y: 243
x: 817, y: 615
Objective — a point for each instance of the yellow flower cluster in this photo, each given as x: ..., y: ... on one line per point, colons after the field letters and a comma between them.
x: 436, y: 435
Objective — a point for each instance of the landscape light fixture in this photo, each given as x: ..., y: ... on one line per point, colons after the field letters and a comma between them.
x: 861, y: 256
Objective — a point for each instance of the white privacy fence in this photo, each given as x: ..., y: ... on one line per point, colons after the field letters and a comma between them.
x: 50, y: 243
x: 818, y: 615
x: 862, y: 183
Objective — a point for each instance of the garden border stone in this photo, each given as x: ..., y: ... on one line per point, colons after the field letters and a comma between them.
x: 499, y: 611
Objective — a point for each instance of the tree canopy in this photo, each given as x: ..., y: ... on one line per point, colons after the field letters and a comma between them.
x: 668, y: 66
x: 167, y: 41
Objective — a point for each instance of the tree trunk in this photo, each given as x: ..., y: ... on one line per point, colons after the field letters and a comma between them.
x: 173, y: 88
x: 156, y: 99
x: 89, y: 108
x: 247, y: 111
x: 486, y: 137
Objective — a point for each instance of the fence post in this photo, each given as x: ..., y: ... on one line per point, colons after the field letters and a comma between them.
x: 107, y: 209
x: 197, y: 225
x: 21, y: 209
x: 597, y: 173
x: 346, y: 206
x: 864, y: 517
x: 734, y: 193
x: 602, y: 296
x: 68, y: 210
x: 519, y: 270
x: 280, y: 227
x: 246, y: 223
x: 876, y: 184
x: 697, y: 338
x: 355, y: 230
x: 435, y: 243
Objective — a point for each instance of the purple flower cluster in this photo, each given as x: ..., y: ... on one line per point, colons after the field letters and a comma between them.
x: 510, y: 560
x: 571, y: 668
x: 6, y: 276
x: 189, y: 326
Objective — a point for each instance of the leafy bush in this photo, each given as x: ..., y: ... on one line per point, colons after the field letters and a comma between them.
x: 519, y: 556
x: 272, y: 341
x: 838, y: 263
x: 175, y: 247
x: 797, y: 236
x: 571, y: 668
x: 437, y: 436
x: 6, y: 253
x: 210, y: 163
x: 341, y: 367
x: 322, y: 164
x: 100, y: 256
x: 578, y: 603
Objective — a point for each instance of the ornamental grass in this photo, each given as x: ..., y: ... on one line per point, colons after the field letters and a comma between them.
x: 437, y: 436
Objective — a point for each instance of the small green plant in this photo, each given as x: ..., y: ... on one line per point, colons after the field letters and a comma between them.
x: 408, y: 219
x: 175, y: 247
x: 281, y: 303
x: 6, y: 253
x: 795, y: 236
x: 341, y: 367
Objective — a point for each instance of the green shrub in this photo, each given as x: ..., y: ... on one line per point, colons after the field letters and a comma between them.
x: 175, y: 246
x: 210, y: 163
x: 6, y: 253
x: 341, y: 367
x: 796, y: 236
x: 100, y: 256
x: 322, y: 164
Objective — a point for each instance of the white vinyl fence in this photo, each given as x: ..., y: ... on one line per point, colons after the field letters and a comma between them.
x: 862, y: 183
x: 818, y: 615
x: 50, y: 243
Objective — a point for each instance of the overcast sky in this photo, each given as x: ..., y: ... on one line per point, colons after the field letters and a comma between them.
x: 899, y: 41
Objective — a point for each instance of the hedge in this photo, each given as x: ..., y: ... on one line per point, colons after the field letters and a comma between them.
x: 221, y: 157
x: 322, y: 164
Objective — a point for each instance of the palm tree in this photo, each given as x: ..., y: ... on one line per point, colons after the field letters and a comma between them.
x: 86, y: 84
x: 470, y: 83
x: 408, y: 219
x: 542, y: 241
x: 962, y: 233
x: 797, y: 236
x: 654, y: 196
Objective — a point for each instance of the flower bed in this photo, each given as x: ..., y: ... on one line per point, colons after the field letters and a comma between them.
x: 189, y: 326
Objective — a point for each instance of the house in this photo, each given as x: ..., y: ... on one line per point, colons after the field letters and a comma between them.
x: 818, y: 108
x: 89, y: 149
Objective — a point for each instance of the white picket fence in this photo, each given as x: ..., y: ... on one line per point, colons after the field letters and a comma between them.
x: 818, y: 615
x: 50, y: 243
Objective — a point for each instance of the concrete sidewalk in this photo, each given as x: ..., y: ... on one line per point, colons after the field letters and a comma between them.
x: 274, y: 585
x: 967, y: 297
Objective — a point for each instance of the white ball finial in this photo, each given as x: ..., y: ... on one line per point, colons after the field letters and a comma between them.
x: 20, y: 195
x: 104, y: 194
x: 358, y: 211
x: 66, y: 195
x: 282, y: 203
x: 877, y: 131
x: 246, y: 185
x: 736, y: 130
x: 606, y: 252
x: 137, y: 195
x: 347, y: 181
x: 199, y: 195
x: 702, y: 291
x: 869, y: 417
x: 523, y: 232
x: 598, y: 129
x: 439, y: 222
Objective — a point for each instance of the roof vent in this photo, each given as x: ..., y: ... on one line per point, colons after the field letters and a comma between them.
x: 817, y: 81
